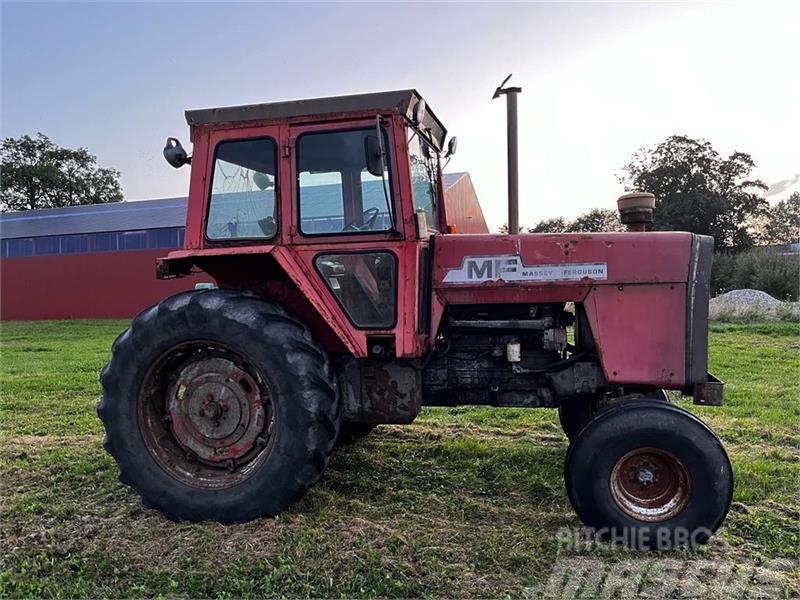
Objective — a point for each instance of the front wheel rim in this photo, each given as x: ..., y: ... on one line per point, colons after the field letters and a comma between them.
x: 206, y: 415
x: 650, y: 484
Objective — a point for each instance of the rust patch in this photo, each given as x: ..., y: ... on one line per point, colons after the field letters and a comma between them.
x: 390, y: 392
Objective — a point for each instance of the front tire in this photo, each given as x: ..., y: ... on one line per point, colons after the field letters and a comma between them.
x: 575, y: 413
x: 650, y: 475
x: 218, y: 405
x: 351, y: 432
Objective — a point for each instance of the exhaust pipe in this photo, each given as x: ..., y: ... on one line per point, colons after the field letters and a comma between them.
x: 513, y: 152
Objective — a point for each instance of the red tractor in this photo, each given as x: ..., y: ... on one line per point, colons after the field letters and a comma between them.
x: 348, y: 295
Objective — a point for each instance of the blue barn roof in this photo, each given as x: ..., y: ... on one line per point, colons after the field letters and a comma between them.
x: 94, y: 218
x: 131, y: 215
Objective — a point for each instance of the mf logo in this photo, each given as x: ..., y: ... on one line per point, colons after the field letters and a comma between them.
x: 509, y: 267
x: 482, y: 268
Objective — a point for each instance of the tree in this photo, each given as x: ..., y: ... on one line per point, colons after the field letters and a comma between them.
x: 504, y: 228
x: 37, y: 173
x: 781, y: 224
x: 697, y: 190
x: 555, y: 225
x: 597, y: 219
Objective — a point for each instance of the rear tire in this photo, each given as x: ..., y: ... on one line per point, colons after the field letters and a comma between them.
x: 218, y: 405
x: 650, y: 475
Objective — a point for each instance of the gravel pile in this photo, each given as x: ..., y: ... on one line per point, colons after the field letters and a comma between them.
x: 744, y: 299
x: 739, y: 303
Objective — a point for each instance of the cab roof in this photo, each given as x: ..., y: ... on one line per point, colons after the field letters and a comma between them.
x: 397, y: 101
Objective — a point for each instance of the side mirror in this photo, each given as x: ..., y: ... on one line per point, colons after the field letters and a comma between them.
x: 263, y: 181
x: 418, y: 114
x: 373, y: 155
x: 452, y: 145
x: 175, y: 154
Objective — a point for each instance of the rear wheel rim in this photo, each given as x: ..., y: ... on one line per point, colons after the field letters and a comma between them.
x: 206, y: 415
x: 650, y: 484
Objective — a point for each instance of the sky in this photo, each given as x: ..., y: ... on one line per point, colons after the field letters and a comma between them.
x: 599, y: 81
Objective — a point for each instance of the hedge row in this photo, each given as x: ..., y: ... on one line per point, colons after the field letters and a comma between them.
x: 770, y: 271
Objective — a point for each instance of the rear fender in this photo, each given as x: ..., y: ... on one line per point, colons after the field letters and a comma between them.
x: 276, y: 273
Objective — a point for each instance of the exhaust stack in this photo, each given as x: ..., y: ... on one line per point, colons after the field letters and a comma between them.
x: 513, y: 154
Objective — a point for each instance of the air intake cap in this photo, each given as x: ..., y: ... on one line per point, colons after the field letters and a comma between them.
x: 636, y: 210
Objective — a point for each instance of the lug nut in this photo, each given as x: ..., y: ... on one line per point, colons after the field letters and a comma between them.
x: 645, y: 476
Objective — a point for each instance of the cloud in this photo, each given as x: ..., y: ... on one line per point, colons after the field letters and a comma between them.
x: 783, y: 188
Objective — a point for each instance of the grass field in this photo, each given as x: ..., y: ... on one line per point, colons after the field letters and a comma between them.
x: 464, y: 502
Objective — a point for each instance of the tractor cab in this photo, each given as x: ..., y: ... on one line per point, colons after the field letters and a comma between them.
x: 346, y: 190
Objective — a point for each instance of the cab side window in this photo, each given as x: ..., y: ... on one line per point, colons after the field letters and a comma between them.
x: 338, y: 192
x: 242, y: 203
x: 364, y: 284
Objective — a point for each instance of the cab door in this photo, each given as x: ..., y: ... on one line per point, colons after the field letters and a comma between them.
x: 427, y: 200
x: 352, y: 231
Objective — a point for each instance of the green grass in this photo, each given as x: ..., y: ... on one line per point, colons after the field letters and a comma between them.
x: 464, y: 502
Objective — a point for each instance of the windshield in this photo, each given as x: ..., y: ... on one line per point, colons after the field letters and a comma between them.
x: 424, y: 164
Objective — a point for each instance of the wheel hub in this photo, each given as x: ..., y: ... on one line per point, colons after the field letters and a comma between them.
x: 650, y: 484
x: 215, y: 410
x: 206, y: 415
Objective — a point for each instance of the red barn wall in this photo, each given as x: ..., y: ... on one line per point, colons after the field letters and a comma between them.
x: 462, y: 207
x: 97, y: 285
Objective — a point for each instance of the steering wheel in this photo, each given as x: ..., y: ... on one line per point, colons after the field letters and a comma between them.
x: 368, y: 219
